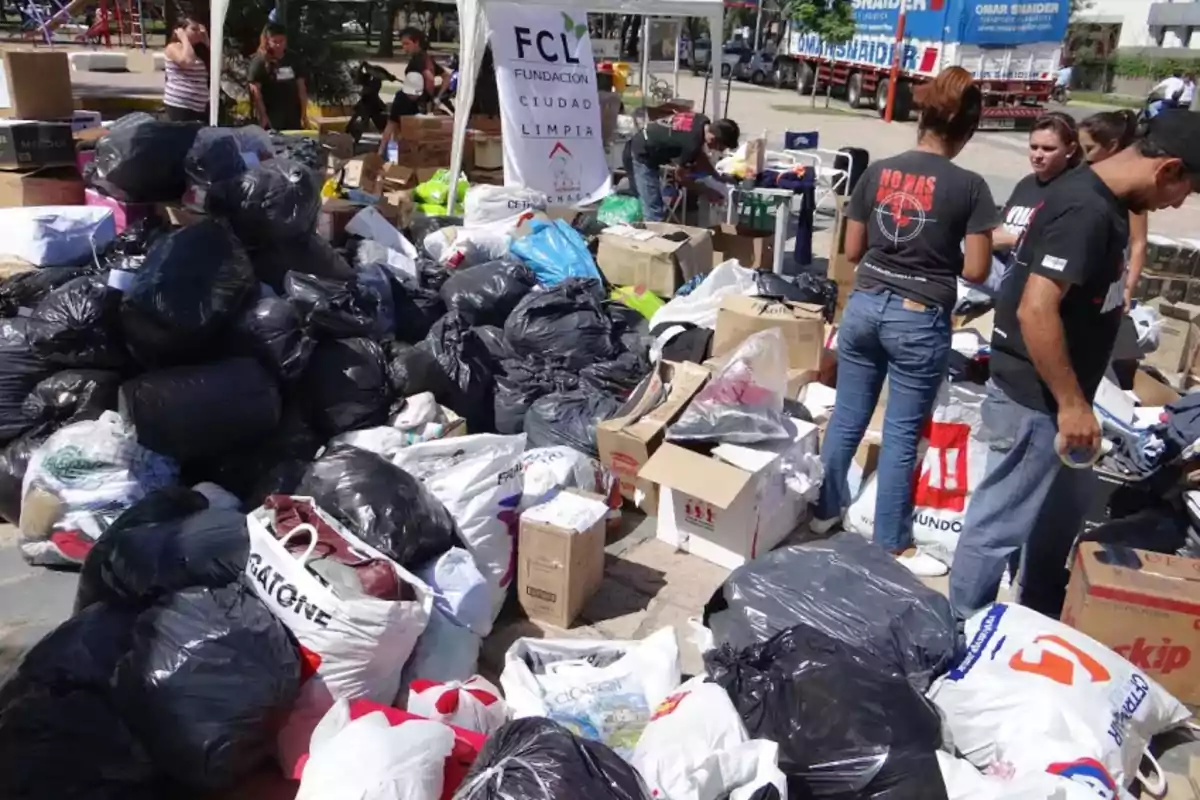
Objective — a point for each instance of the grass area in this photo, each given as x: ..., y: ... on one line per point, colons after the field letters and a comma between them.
x: 1103, y: 99
x: 805, y: 108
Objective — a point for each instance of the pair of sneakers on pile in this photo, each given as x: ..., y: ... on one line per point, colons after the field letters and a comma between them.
x: 915, y: 559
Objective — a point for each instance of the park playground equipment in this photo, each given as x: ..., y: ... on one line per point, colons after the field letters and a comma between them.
x: 124, y: 18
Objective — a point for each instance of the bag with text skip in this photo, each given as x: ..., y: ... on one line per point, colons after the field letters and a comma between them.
x: 353, y: 643
x: 953, y: 461
x: 1027, y: 677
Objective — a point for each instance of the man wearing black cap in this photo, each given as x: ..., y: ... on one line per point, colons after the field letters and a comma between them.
x: 1056, y: 322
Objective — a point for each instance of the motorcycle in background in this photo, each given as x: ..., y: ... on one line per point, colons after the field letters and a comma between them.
x: 370, y: 107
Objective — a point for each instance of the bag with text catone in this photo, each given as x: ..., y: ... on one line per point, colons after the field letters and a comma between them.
x: 953, y: 461
x: 353, y: 644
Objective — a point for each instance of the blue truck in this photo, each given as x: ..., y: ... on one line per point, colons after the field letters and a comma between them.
x: 1013, y: 49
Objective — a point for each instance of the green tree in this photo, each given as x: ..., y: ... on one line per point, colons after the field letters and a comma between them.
x: 832, y: 20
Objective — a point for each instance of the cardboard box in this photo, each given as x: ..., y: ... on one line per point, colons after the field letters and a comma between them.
x: 1179, y: 336
x: 490, y: 177
x: 752, y: 249
x: 329, y: 124
x: 627, y: 441
x: 1145, y: 606
x: 489, y: 151
x: 52, y: 186
x: 402, y: 177
x: 178, y: 216
x: 30, y: 145
x: 338, y: 146
x: 660, y: 263
x: 37, y: 85
x: 485, y: 124
x: 364, y: 172
x: 802, y: 326
x: 725, y: 512
x: 559, y: 569
x: 426, y: 128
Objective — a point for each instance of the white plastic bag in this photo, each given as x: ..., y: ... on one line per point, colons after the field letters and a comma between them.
x: 700, y: 308
x: 478, y: 479
x: 548, y: 470
x: 357, y: 644
x: 459, y: 589
x: 369, y: 759
x: 56, y: 236
x: 1027, y: 679
x: 474, y: 704
x: 1054, y: 779
x: 486, y: 204
x: 600, y: 690
x: 446, y: 651
x: 696, y: 748
x: 953, y: 461
x: 79, y: 481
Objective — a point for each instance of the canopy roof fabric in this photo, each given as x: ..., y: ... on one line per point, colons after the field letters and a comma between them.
x: 473, y: 41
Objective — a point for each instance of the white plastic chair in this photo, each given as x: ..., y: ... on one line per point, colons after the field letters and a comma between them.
x: 802, y: 148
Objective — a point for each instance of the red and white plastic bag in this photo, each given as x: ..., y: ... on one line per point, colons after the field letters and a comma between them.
x: 474, y: 704
x: 1028, y: 681
x: 355, y: 645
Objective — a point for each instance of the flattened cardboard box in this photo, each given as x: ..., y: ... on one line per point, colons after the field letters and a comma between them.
x: 802, y: 326
x: 627, y: 441
x: 36, y: 85
x: 558, y: 570
x: 52, y: 186
x: 29, y: 145
x: 1148, y: 612
x: 659, y: 264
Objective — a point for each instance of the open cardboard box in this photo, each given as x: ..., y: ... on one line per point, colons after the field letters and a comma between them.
x: 731, y: 505
x: 661, y: 262
x: 802, y: 326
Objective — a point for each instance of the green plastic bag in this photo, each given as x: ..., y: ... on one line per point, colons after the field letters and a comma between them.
x: 436, y: 190
x: 619, y: 208
x: 637, y: 298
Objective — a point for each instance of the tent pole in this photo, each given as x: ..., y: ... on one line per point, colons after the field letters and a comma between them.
x: 645, y: 60
x: 678, y: 46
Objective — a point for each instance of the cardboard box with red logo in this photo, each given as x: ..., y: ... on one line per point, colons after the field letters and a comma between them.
x: 627, y: 441
x: 1145, y: 606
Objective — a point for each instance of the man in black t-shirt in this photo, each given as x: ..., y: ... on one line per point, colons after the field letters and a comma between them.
x: 277, y: 88
x: 681, y: 140
x: 1056, y: 323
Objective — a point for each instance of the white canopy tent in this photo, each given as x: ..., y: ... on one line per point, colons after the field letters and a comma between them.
x: 473, y: 41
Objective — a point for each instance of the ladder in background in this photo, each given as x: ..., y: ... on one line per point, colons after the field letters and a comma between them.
x: 137, y: 32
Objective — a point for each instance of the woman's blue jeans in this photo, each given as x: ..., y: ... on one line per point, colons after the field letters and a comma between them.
x: 882, y: 335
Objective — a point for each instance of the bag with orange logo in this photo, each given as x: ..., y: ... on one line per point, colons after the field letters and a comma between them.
x: 1026, y: 677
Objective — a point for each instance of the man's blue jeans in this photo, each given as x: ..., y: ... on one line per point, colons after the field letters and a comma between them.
x: 1029, y: 499
x: 646, y: 182
x: 884, y: 336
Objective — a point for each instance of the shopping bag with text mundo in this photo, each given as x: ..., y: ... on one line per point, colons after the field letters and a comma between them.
x: 952, y: 462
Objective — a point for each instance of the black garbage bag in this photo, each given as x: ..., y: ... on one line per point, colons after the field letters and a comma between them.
x: 487, y: 293
x: 538, y: 759
x: 20, y: 371
x: 847, y: 725
x: 64, y: 397
x: 168, y: 541
x: 570, y: 419
x: 209, y: 675
x: 201, y: 410
x: 79, y: 325
x: 128, y: 251
x: 417, y: 308
x: 382, y: 504
x: 192, y: 287
x: 522, y: 382
x: 273, y: 331
x: 345, y: 386
x: 276, y: 201
x: 360, y: 306
x: 297, y: 147
x: 273, y: 465
x: 26, y: 289
x: 630, y: 328
x: 308, y: 255
x: 566, y: 321
x: 142, y: 160
x: 849, y: 589
x: 422, y: 226
x: 493, y: 339
x: 466, y: 363
x: 617, y: 377
x: 60, y: 737
x: 805, y: 287
x: 432, y: 274
x: 414, y: 369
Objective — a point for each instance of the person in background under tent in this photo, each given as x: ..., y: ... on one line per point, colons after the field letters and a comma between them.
x: 907, y: 221
x: 420, y: 84
x: 185, y: 90
x: 277, y: 88
x: 1056, y: 325
x: 1167, y: 94
x: 682, y: 140
x: 1102, y: 136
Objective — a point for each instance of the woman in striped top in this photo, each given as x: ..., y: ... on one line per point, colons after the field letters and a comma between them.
x: 186, y: 91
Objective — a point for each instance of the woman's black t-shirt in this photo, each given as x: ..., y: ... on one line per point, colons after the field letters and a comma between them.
x: 1026, y: 196
x: 918, y: 207
x: 406, y: 106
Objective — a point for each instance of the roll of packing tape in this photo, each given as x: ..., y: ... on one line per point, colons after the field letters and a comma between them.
x: 1080, y: 459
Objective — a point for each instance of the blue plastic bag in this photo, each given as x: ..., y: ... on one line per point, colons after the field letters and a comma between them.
x: 555, y: 251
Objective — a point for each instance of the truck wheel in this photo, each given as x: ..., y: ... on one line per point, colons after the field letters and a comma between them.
x: 784, y: 75
x: 758, y: 78
x: 903, y: 109
x: 725, y: 71
x: 805, y: 75
x: 854, y: 91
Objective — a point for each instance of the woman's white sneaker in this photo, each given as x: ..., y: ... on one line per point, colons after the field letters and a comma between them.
x: 823, y: 526
x: 923, y: 565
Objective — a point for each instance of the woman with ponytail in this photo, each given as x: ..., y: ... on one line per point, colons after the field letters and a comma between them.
x: 916, y: 222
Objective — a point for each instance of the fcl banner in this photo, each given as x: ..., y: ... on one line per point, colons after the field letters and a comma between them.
x: 549, y: 104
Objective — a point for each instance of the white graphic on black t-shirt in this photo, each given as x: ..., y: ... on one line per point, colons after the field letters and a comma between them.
x: 902, y: 204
